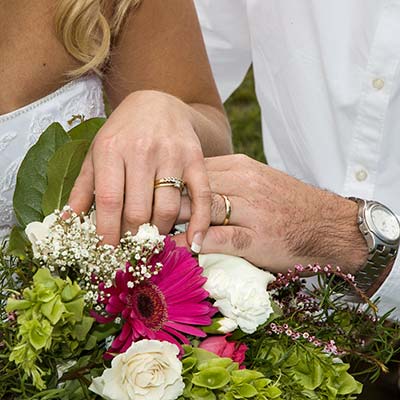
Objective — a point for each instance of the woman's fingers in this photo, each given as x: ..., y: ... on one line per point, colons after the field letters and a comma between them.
x: 167, y: 202
x: 109, y: 185
x: 82, y: 194
x: 138, y: 195
x: 200, y: 194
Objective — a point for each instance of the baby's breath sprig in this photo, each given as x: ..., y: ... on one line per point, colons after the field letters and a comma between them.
x: 72, y: 247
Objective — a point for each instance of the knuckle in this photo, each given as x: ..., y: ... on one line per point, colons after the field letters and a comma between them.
x: 204, y: 195
x: 220, y: 236
x: 241, y: 158
x: 109, y: 201
x: 145, y: 146
x: 241, y: 240
x: 136, y: 216
x: 196, y: 154
x: 105, y: 144
x: 167, y: 213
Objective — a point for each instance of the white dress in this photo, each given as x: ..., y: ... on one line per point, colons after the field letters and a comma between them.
x: 20, y: 129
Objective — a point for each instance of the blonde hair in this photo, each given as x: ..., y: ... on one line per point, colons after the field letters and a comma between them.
x: 86, y: 33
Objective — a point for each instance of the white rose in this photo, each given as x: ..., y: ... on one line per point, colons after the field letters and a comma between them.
x: 149, y: 369
x: 239, y: 288
x: 39, y: 231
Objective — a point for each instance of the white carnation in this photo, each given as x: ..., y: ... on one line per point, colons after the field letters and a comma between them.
x: 239, y: 288
x: 39, y: 231
x: 149, y: 369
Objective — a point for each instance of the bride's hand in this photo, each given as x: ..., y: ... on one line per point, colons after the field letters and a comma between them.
x: 149, y: 136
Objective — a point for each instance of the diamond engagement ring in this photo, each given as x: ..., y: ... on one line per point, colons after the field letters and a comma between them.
x: 170, y: 181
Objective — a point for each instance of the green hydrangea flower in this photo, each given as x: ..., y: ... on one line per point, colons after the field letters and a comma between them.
x: 50, y: 318
x: 209, y: 377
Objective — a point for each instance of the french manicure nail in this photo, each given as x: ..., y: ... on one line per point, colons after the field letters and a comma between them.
x: 197, y: 242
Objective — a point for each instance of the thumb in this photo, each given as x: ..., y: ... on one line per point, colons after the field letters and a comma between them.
x: 232, y: 240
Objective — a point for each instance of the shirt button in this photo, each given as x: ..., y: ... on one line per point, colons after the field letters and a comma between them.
x: 378, y: 84
x: 361, y: 175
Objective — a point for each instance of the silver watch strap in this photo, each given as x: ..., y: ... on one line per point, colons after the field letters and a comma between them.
x: 374, y: 267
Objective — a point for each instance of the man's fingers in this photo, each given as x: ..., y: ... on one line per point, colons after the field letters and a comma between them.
x: 218, y: 210
x: 138, y: 197
x: 81, y: 197
x: 231, y: 240
x: 200, y: 194
x: 167, y: 201
x: 109, y: 185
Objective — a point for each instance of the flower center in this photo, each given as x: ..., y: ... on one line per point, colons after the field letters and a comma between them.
x: 145, y: 305
x: 150, y: 305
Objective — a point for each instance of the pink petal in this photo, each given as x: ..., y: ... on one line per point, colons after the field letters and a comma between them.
x: 190, y: 330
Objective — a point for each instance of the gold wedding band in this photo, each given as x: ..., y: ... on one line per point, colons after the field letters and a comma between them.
x: 228, y: 209
x: 170, y: 181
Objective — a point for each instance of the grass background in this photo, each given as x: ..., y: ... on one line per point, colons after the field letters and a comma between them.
x: 245, y: 117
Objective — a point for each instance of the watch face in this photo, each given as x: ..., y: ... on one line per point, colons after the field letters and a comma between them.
x: 385, y: 223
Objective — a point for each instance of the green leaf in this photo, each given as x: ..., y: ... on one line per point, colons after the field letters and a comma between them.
x: 246, y: 376
x: 53, y: 310
x: 70, y: 291
x: 63, y: 169
x: 16, y: 305
x: 103, y: 331
x: 82, y: 329
x: 32, y: 175
x: 211, y: 378
x: 18, y: 243
x: 272, y: 392
x: 202, y: 394
x: 87, y: 130
x: 245, y: 390
x: 76, y: 307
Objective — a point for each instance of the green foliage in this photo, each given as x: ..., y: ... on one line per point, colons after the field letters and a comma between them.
x: 18, y: 243
x: 302, y: 369
x: 49, y: 169
x: 32, y: 175
x: 63, y: 169
x: 209, y: 377
x: 87, y: 130
x: 50, y: 319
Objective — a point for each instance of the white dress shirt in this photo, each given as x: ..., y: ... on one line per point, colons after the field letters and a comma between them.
x: 328, y: 83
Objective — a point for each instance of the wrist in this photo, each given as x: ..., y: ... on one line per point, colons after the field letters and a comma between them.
x: 330, y: 233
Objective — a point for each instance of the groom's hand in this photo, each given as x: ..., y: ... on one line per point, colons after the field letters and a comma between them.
x: 277, y: 220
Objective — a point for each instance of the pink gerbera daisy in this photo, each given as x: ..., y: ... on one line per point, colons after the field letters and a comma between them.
x: 164, y: 307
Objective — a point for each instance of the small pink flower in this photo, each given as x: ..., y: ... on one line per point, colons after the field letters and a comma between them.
x: 221, y: 347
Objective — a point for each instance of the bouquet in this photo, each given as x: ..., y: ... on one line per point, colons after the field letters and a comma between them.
x: 148, y: 320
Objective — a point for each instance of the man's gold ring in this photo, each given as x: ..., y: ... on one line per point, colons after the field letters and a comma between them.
x: 170, y: 181
x: 228, y: 209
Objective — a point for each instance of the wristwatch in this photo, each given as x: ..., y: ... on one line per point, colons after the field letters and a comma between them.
x: 381, y: 230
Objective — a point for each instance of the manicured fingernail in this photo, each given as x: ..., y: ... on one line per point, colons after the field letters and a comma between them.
x: 197, y: 242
